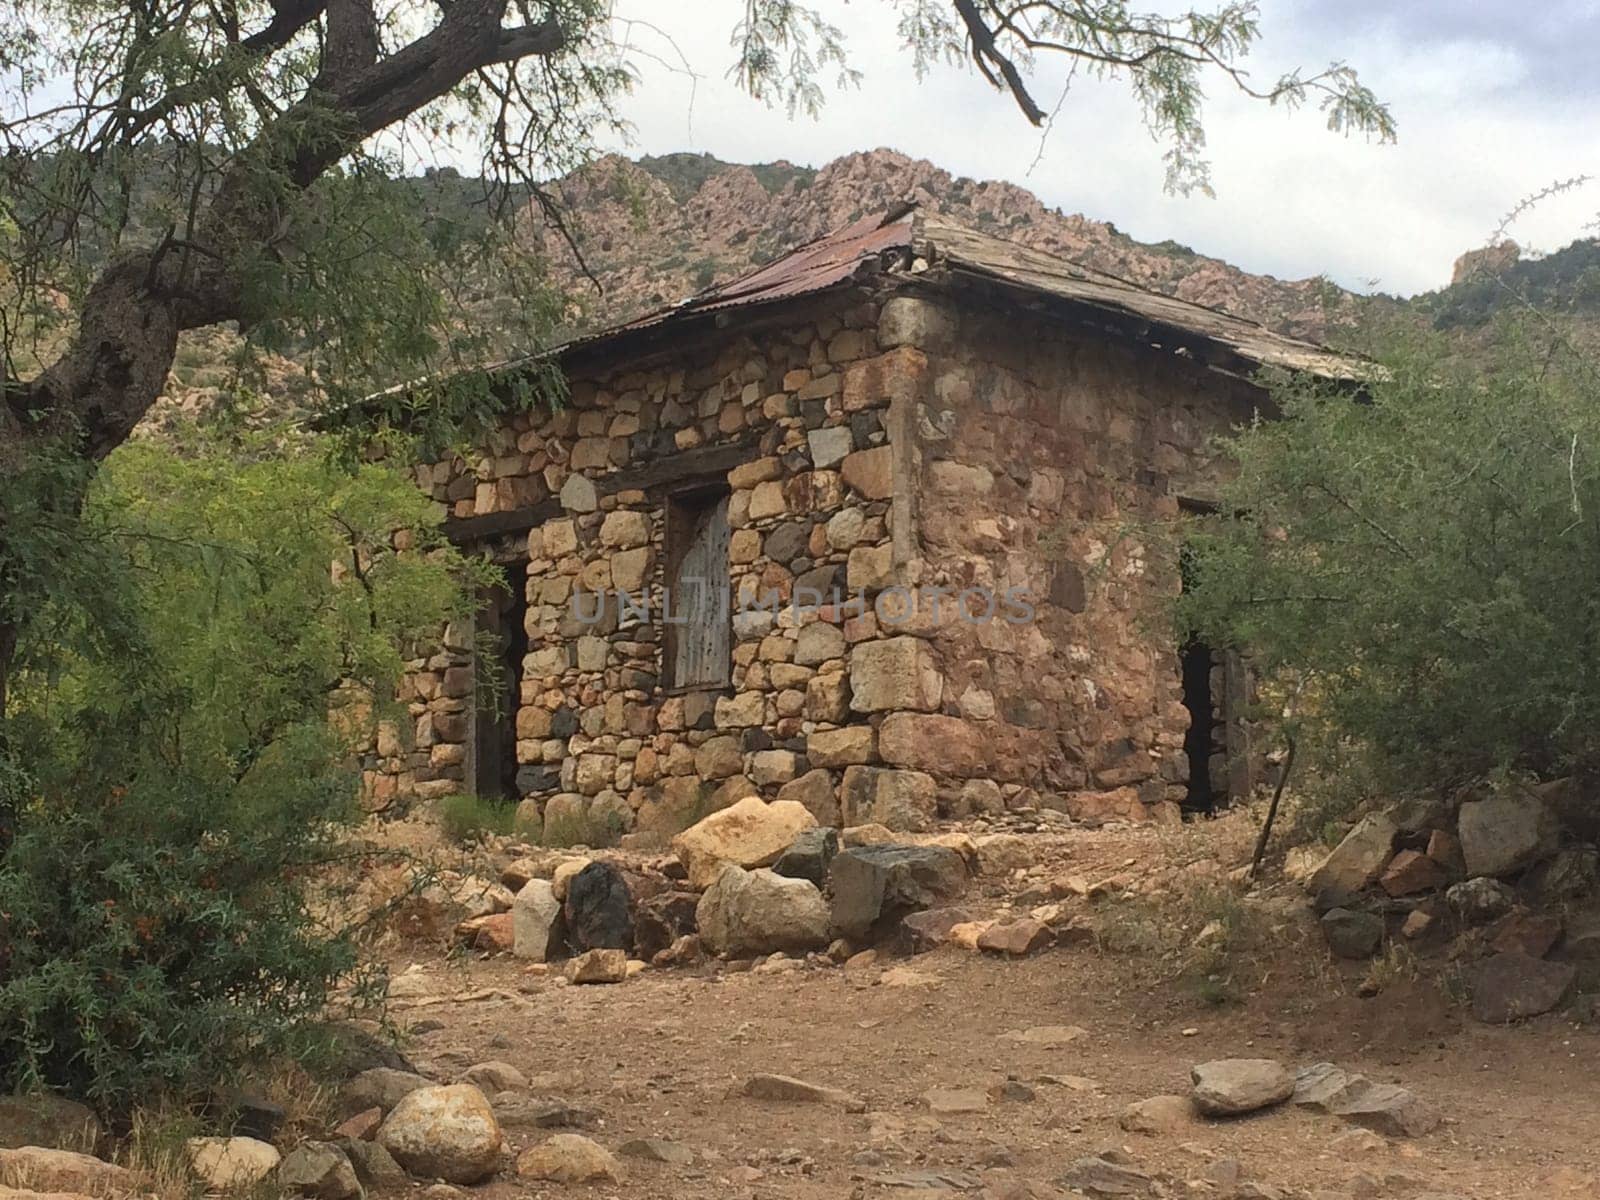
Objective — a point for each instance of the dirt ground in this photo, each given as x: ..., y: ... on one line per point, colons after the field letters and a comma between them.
x: 666, y: 1053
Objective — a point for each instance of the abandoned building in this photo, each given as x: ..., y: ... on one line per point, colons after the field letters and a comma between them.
x: 851, y: 530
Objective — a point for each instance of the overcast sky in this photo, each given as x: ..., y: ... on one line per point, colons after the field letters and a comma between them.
x: 1494, y: 100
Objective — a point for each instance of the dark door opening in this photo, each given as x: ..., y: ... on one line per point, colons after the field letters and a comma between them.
x: 1200, y: 743
x: 503, y: 617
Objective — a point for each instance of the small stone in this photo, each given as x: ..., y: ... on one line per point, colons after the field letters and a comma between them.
x: 1158, y: 1115
x: 674, y: 1154
x: 929, y: 929
x: 1417, y: 923
x: 947, y: 1102
x: 375, y: 1167
x: 798, y: 1091
x: 599, y: 966
x: 569, y: 1158
x: 447, y: 1133
x: 1234, y: 1086
x: 1046, y: 1035
x: 494, y: 1076
x: 1100, y: 1176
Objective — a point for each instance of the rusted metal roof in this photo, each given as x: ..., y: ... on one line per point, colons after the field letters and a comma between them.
x: 1046, y: 274
x: 830, y: 260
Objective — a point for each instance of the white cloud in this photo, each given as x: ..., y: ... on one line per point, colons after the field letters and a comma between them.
x: 1480, y: 127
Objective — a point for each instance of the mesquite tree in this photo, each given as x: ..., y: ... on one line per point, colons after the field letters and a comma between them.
x: 171, y: 165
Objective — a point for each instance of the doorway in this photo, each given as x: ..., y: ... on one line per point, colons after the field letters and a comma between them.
x: 502, y: 645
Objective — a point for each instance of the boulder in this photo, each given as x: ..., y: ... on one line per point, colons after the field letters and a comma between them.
x: 809, y: 856
x: 535, y: 921
x: 1533, y: 934
x: 929, y: 928
x: 228, y: 1163
x: 599, y: 966
x: 447, y: 1133
x: 598, y: 910
x: 1231, y: 1087
x: 44, y: 1169
x: 1358, y: 860
x: 1352, y: 934
x: 1410, y: 872
x: 1017, y: 938
x: 374, y: 1166
x: 379, y: 1087
x: 569, y: 1158
x: 1479, y: 900
x: 1569, y: 874
x: 759, y: 912
x: 1321, y: 1087
x: 320, y: 1170
x: 661, y: 920
x: 748, y: 834
x: 1511, y: 986
x: 43, y: 1119
x: 1390, y: 1110
x: 1506, y: 833
x: 875, y: 886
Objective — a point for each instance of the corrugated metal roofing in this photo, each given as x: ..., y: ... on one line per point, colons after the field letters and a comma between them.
x: 841, y: 256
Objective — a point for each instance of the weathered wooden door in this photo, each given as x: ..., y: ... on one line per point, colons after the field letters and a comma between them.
x: 698, y: 645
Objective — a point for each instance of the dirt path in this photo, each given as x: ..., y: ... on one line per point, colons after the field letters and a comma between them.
x: 664, y: 1055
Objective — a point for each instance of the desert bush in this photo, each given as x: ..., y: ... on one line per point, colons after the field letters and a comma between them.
x: 466, y: 817
x: 1419, y: 560
x: 169, y: 758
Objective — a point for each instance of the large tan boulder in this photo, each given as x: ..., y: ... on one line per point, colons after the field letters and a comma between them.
x: 759, y: 912
x: 38, y: 1168
x: 751, y: 833
x: 1360, y: 858
x: 447, y: 1133
x: 225, y: 1163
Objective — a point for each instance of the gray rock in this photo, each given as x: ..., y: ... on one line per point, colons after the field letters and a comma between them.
x: 1388, y: 1109
x: 1477, y: 901
x: 1511, y: 986
x: 939, y: 1179
x: 1504, y: 834
x: 1231, y: 1087
x: 43, y: 1119
x: 674, y: 1154
x: 920, y: 932
x: 1100, y: 1176
x: 378, y: 1087
x: 758, y: 912
x: 829, y: 445
x: 374, y: 1166
x: 1352, y: 934
x: 494, y: 1076
x: 1571, y: 873
x: 319, y: 1169
x: 798, y: 1091
x: 809, y: 856
x: 1322, y: 1086
x: 875, y: 886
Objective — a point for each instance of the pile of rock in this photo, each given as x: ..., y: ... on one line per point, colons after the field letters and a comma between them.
x: 762, y: 878
x: 1481, y: 875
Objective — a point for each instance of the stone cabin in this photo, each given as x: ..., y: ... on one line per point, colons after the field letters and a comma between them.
x: 851, y: 530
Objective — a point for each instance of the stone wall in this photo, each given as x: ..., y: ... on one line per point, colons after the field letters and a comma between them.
x: 873, y: 446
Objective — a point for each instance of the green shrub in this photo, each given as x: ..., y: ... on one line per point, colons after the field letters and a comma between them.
x: 468, y: 818
x: 1416, y: 566
x: 169, y: 756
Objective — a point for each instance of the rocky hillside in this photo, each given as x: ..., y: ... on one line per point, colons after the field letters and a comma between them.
x: 655, y: 230
x: 661, y: 228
